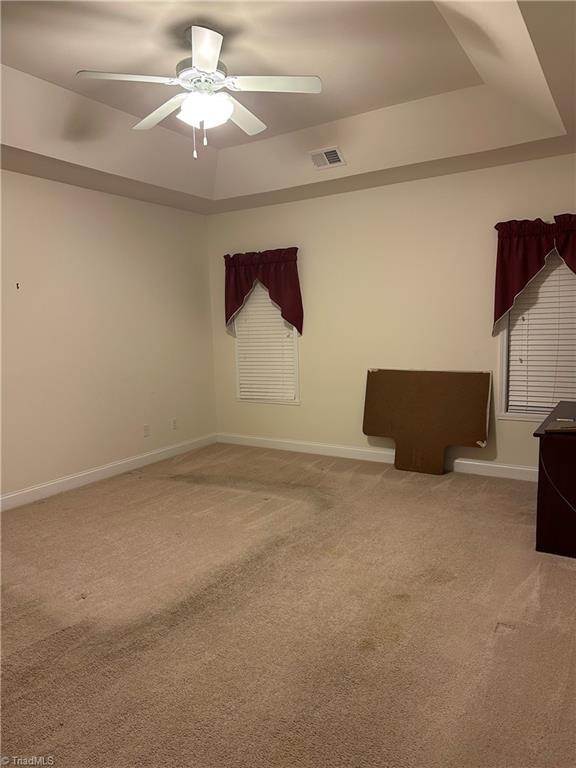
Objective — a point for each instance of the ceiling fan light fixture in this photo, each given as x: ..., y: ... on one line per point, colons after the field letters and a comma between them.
x: 207, y: 109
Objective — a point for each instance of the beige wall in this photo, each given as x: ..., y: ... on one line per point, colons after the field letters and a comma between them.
x: 396, y: 277
x: 110, y: 329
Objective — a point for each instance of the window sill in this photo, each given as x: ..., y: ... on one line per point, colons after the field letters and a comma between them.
x: 536, y: 418
x: 268, y: 402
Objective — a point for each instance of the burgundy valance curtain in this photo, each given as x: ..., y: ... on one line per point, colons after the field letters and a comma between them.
x: 522, y: 250
x: 277, y: 270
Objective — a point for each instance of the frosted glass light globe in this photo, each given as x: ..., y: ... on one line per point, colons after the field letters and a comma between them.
x: 212, y: 109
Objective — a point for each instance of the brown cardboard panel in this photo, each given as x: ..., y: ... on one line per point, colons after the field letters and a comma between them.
x: 425, y: 412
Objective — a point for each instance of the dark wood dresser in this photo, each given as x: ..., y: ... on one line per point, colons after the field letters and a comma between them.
x: 556, y: 515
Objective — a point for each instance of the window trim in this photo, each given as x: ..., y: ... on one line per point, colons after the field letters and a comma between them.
x: 247, y: 401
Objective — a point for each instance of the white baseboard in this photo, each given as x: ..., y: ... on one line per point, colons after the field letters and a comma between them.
x: 386, y: 455
x: 42, y: 491
x: 495, y: 469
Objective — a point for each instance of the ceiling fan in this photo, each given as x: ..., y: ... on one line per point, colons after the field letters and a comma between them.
x: 203, y: 103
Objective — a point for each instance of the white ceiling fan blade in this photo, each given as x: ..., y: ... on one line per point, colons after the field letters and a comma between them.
x: 160, y: 113
x: 206, y: 46
x: 245, y: 119
x: 87, y: 74
x: 273, y: 83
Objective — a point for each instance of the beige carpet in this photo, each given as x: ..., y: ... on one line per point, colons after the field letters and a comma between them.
x: 242, y: 608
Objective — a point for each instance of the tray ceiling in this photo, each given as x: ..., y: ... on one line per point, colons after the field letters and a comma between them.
x: 411, y: 89
x: 368, y: 54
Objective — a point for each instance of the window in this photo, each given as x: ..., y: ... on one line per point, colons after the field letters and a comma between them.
x: 541, y: 342
x: 266, y: 351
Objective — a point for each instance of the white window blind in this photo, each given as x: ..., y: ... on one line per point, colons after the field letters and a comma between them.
x: 542, y: 341
x: 266, y: 351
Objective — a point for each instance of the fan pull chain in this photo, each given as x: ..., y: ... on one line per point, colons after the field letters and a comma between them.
x: 205, y: 142
x: 194, y: 153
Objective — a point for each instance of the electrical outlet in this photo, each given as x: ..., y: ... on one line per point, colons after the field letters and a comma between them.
x: 174, y: 423
x: 146, y: 430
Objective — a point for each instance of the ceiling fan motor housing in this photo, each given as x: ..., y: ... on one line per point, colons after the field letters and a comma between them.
x: 191, y: 78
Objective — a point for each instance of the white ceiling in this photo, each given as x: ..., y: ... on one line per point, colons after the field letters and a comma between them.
x: 410, y: 88
x: 368, y: 54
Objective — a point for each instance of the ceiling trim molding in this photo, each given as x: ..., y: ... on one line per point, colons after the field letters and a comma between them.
x: 45, y: 167
x: 32, y: 164
x: 519, y: 153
